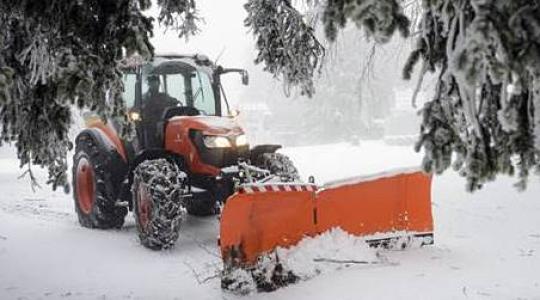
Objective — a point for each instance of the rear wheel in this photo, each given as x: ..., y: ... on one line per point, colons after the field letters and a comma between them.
x: 93, y: 189
x: 280, y: 165
x: 158, y: 187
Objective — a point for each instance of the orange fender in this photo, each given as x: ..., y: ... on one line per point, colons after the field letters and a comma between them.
x: 110, y: 134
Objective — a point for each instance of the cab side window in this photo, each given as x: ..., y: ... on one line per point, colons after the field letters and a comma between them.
x: 203, y: 95
x: 175, y: 87
x: 129, y: 89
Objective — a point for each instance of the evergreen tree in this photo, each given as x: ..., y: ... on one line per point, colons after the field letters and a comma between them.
x: 485, y: 113
x: 287, y: 45
x: 56, y: 54
x: 486, y: 109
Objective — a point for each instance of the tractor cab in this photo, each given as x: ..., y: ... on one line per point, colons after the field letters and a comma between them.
x: 169, y: 86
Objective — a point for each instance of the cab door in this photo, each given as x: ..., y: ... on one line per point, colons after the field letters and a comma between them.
x: 132, y: 101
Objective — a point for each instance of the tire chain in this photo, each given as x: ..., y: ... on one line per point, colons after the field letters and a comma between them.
x: 166, y: 185
x: 281, y: 166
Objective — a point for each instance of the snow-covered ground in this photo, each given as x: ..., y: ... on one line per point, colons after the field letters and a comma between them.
x: 487, y: 244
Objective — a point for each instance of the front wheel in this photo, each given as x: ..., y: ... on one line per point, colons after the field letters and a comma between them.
x: 158, y: 189
x: 280, y: 165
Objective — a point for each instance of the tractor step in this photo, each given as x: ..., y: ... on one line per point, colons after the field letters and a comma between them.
x: 121, y: 203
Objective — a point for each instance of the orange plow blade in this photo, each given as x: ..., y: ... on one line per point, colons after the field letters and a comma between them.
x: 379, y: 207
x: 259, y: 218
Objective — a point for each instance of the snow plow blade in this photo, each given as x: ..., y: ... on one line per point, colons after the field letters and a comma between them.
x: 384, y: 208
x: 259, y: 218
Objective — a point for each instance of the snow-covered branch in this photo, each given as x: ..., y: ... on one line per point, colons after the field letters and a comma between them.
x: 181, y: 15
x: 379, y: 18
x: 286, y: 44
x: 487, y: 99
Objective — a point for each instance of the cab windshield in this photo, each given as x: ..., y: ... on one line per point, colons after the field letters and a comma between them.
x: 170, y: 84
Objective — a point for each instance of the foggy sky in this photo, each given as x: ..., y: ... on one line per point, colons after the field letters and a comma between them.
x: 222, y: 31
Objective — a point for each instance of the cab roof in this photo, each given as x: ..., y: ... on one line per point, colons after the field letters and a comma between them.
x: 196, y: 60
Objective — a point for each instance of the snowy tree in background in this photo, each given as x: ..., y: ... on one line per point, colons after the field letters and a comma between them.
x: 287, y: 45
x: 486, y: 111
x: 63, y: 53
x: 181, y: 15
x: 379, y: 18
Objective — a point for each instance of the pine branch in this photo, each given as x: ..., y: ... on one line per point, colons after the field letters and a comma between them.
x: 286, y: 44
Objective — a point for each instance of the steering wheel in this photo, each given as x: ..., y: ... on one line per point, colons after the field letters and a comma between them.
x: 178, y: 102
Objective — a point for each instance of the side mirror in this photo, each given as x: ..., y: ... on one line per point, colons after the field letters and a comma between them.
x: 245, y: 77
x: 243, y: 73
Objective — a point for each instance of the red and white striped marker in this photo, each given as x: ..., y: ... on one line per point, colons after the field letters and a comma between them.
x: 281, y: 187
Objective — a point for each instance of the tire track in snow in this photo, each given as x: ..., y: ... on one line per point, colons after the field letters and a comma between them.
x: 41, y: 211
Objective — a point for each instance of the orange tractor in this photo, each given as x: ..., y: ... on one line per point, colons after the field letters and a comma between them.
x: 190, y: 156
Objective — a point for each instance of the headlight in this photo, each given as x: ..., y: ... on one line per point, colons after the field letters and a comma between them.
x: 241, y: 140
x: 213, y: 141
x: 134, y: 116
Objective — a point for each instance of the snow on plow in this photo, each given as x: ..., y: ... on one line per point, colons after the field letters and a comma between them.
x: 384, y: 209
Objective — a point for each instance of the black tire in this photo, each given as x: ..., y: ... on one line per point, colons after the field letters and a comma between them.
x: 158, y: 187
x: 280, y: 165
x: 201, y: 207
x: 101, y: 212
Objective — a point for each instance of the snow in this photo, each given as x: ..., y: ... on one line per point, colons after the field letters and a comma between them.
x: 336, y: 162
x: 487, y: 244
x: 326, y: 253
x: 381, y: 175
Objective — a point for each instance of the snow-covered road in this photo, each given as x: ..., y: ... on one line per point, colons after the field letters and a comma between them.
x: 487, y: 244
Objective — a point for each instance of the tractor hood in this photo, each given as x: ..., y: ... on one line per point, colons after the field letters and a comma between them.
x: 209, y: 125
x: 185, y: 135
